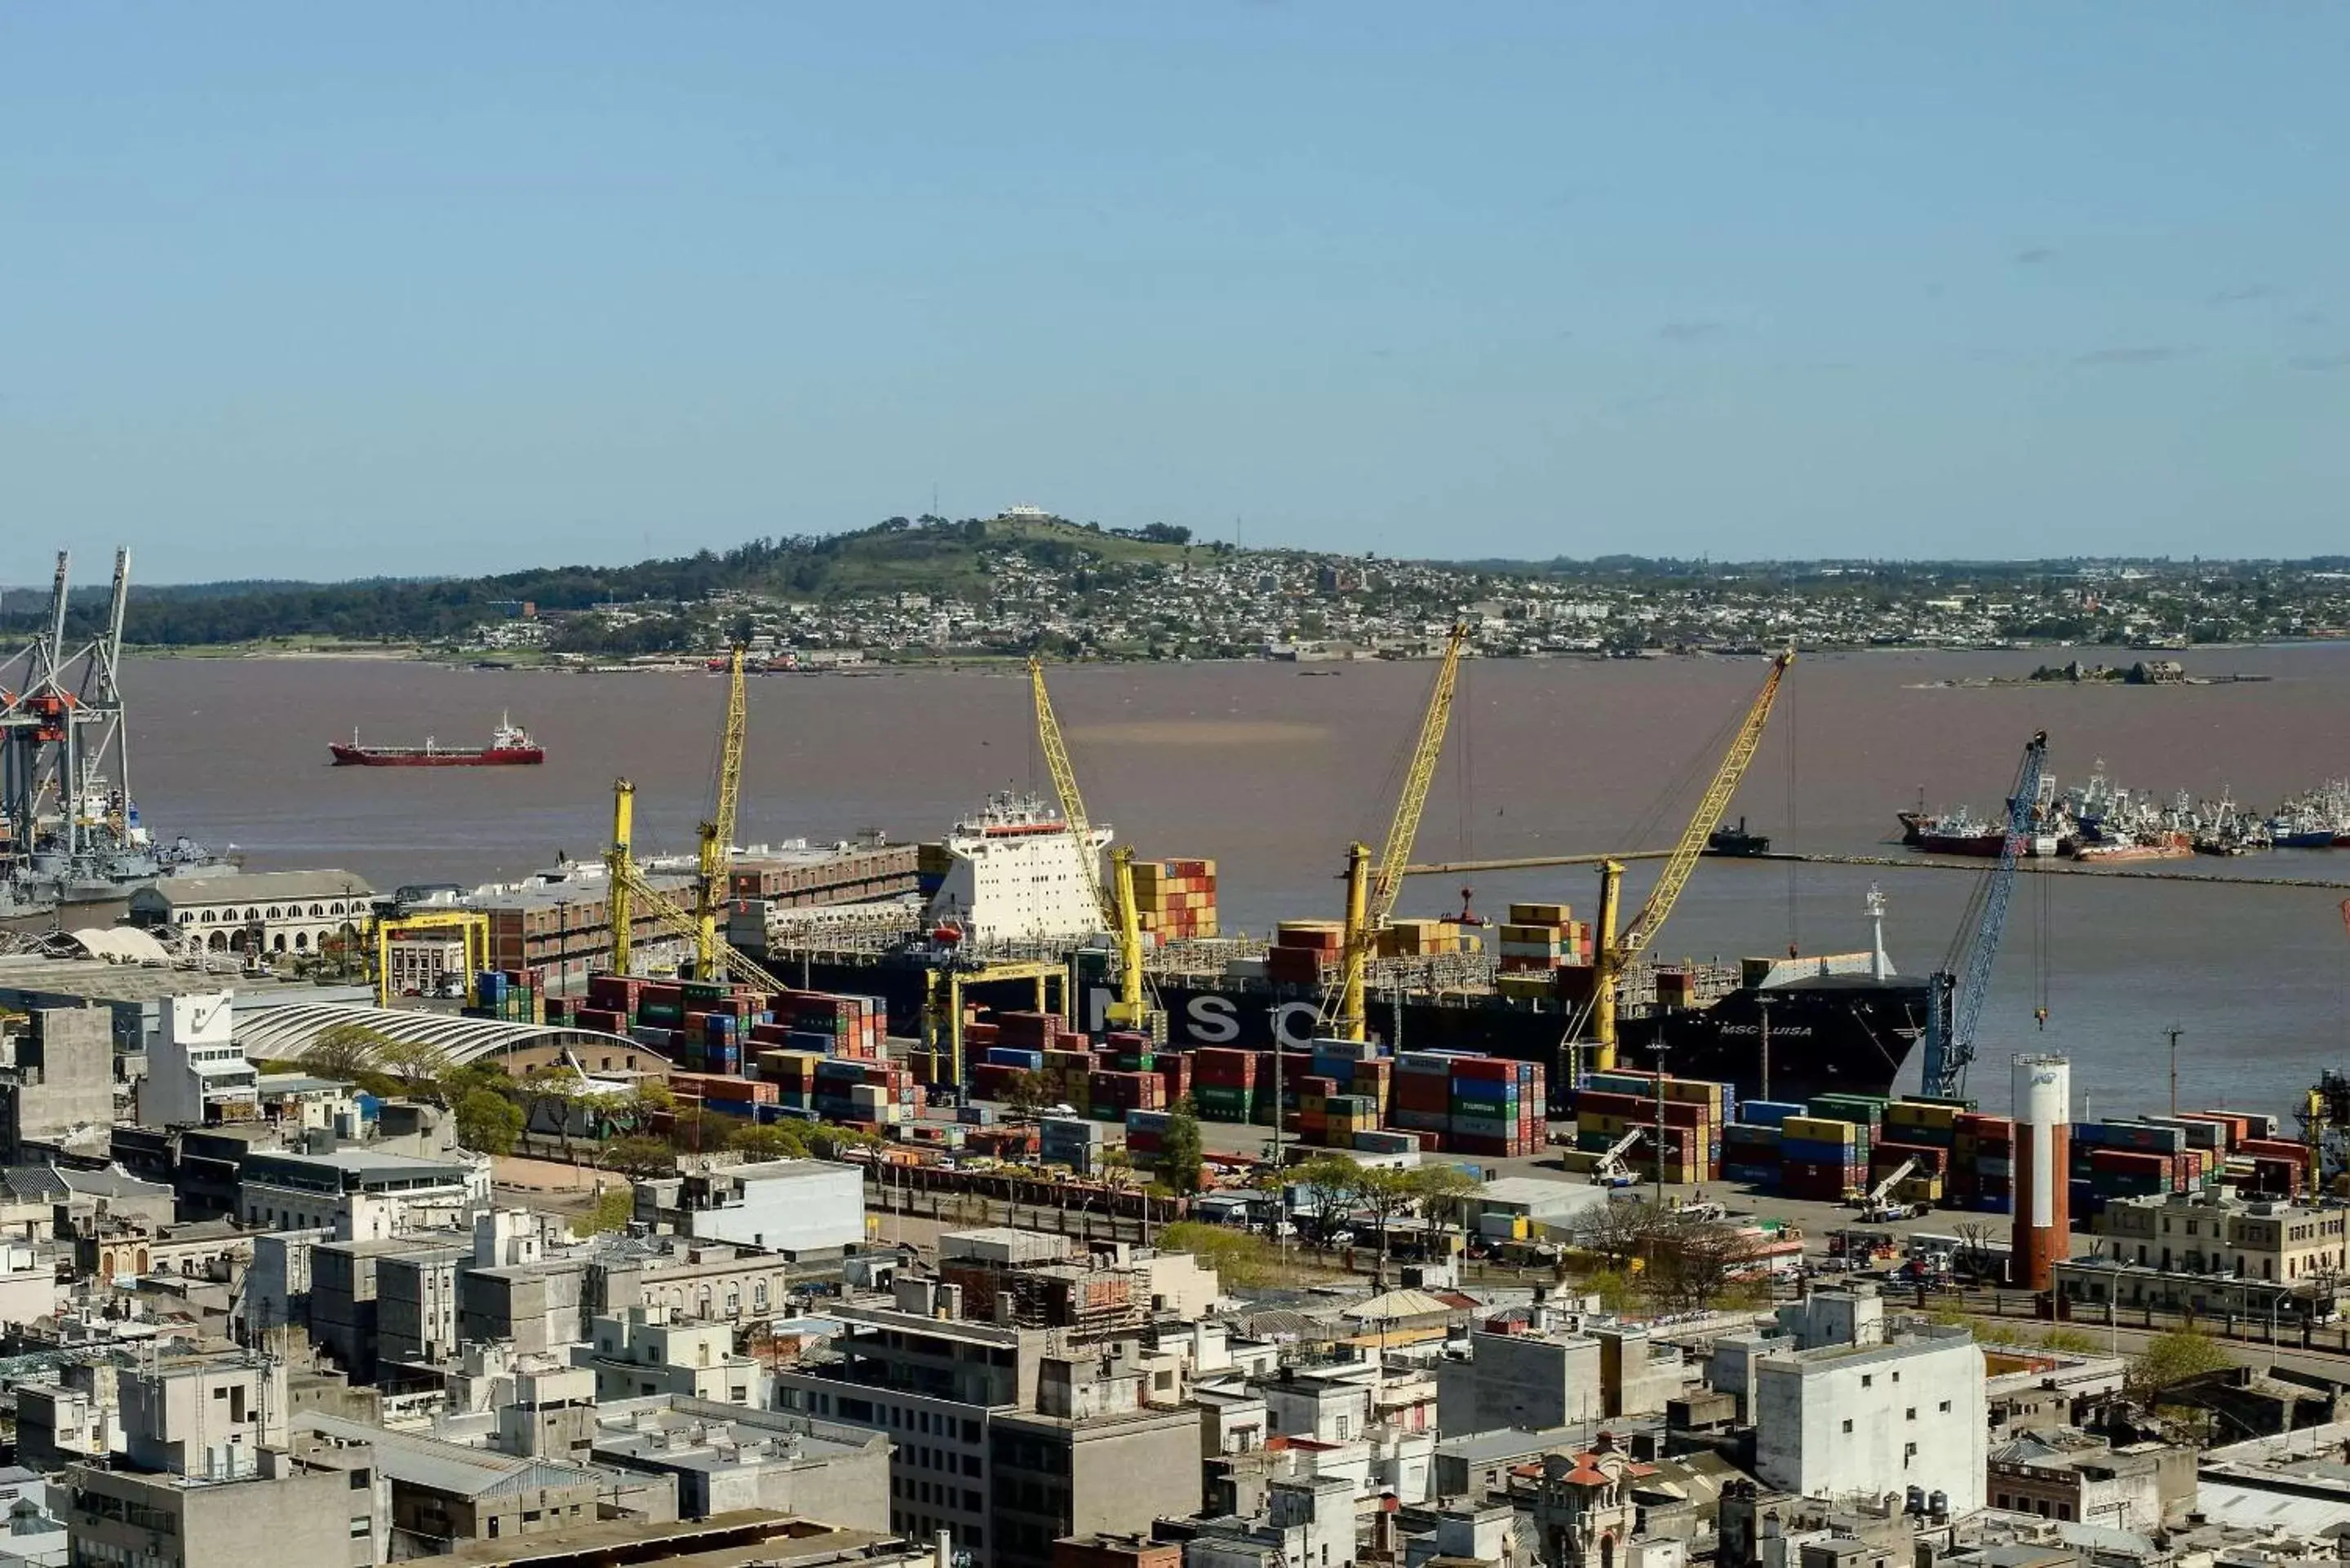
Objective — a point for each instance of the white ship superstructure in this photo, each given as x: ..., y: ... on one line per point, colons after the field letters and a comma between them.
x: 1020, y: 874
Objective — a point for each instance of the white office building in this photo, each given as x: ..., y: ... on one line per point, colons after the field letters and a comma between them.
x: 1879, y: 1412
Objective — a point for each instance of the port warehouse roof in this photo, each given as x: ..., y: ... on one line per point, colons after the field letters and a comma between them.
x: 34, y: 979
x: 284, y: 1031
x: 259, y: 886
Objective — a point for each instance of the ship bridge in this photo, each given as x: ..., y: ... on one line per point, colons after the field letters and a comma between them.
x: 283, y: 1032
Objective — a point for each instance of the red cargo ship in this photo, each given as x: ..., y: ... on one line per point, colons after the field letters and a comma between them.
x: 511, y: 746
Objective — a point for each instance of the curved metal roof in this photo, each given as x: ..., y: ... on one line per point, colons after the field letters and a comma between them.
x: 284, y: 1033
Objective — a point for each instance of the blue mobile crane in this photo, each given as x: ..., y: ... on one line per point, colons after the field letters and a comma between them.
x: 1954, y: 1001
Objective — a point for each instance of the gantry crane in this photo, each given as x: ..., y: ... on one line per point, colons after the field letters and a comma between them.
x: 718, y: 833
x: 1955, y: 994
x: 1611, y: 954
x: 1114, y: 902
x: 1372, y: 886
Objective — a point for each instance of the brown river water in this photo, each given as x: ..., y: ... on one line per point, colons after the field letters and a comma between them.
x: 1271, y: 770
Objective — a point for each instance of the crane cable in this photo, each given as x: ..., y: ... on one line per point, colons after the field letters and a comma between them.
x: 2042, y: 948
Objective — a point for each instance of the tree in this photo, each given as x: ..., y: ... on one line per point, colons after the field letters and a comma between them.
x: 1692, y: 1263
x: 553, y: 1097
x: 696, y: 1130
x: 1389, y: 1193
x: 641, y: 1157
x: 1326, y: 1183
x: 412, y: 1062
x: 1179, y: 1150
x: 1026, y: 1093
x: 775, y: 1140
x: 1241, y: 1261
x: 826, y: 1141
x: 2177, y: 1356
x: 487, y: 1121
x: 614, y: 1207
x: 651, y: 1097
x: 345, y: 1050
x: 1445, y: 1190
x: 1617, y: 1232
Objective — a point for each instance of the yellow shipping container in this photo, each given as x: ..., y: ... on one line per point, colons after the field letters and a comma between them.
x: 1538, y: 914
x: 1531, y: 933
x: 1911, y: 1114
x: 1818, y: 1130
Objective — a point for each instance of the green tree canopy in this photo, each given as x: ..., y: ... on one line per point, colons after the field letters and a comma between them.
x: 1178, y: 1150
x: 641, y: 1157
x: 488, y: 1122
x: 2177, y: 1356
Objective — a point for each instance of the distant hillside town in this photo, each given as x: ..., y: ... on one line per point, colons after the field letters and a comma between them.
x: 1027, y: 581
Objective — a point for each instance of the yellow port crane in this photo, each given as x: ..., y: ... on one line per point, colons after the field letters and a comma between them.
x: 717, y: 848
x: 630, y: 891
x: 620, y: 864
x: 1611, y: 954
x: 1372, y: 886
x: 1116, y: 903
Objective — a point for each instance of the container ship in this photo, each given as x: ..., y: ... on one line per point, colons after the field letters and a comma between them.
x: 1010, y: 881
x: 510, y: 746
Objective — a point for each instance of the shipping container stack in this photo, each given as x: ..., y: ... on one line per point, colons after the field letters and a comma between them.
x: 1982, y: 1163
x: 1612, y: 1106
x: 1499, y: 1107
x: 1540, y: 938
x: 1176, y: 899
x: 509, y: 995
x: 1822, y: 1158
x: 1463, y: 1103
x: 1224, y: 1083
x: 717, y: 1028
x: 2122, y: 1159
x: 1922, y: 1133
x: 1426, y: 939
x: 1302, y: 951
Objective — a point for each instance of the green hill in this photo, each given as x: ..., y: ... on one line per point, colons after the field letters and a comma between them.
x: 929, y: 555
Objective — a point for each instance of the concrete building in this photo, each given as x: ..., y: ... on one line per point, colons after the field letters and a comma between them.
x: 57, y: 1085
x: 724, y: 1459
x: 202, y: 1477
x: 1885, y: 1412
x: 998, y: 1442
x: 263, y: 911
x: 196, y: 1074
x: 359, y: 1194
x: 2075, y: 1478
x: 1517, y: 1376
x: 28, y: 1285
x: 444, y: 1494
x: 788, y: 1206
x: 284, y: 1510
x: 416, y: 1303
x: 2214, y: 1232
x: 642, y: 1353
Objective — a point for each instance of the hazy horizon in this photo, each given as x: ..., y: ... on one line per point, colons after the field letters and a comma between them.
x: 316, y: 294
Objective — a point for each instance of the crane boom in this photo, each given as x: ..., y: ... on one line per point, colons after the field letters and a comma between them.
x: 718, y: 833
x: 1368, y: 906
x: 1683, y: 859
x: 1611, y: 952
x: 1064, y: 788
x: 687, y: 923
x: 1114, y: 900
x: 1955, y: 999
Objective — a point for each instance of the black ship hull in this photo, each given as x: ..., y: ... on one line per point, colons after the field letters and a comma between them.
x: 1836, y: 1033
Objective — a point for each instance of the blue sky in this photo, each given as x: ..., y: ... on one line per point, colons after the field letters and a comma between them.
x: 322, y: 290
